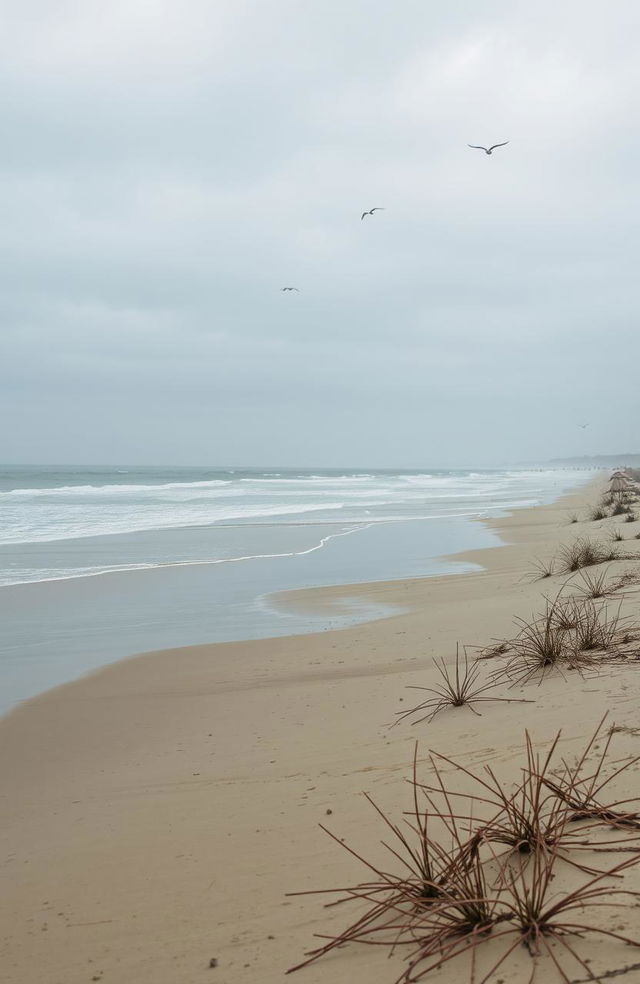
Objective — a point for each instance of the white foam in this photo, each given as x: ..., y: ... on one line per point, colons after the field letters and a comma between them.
x: 108, y: 490
x: 105, y: 524
x: 40, y: 515
x: 35, y: 576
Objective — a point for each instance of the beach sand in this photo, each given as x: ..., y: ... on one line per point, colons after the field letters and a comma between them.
x: 156, y: 813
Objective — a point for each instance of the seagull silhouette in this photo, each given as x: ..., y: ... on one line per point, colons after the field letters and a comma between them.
x: 379, y: 208
x: 488, y: 150
x: 289, y: 288
x: 582, y: 426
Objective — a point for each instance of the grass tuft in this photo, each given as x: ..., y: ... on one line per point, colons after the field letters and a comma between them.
x: 598, y: 512
x: 594, y: 585
x: 543, y: 569
x: 595, y: 630
x: 488, y: 872
x: 620, y: 509
x: 543, y: 645
x: 566, y: 614
x: 584, y: 553
x: 461, y: 686
x: 581, y: 790
x: 431, y: 877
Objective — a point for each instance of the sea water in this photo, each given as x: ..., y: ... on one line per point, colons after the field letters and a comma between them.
x: 97, y: 563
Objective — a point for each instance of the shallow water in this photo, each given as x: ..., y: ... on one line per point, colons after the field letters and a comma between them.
x: 77, y: 602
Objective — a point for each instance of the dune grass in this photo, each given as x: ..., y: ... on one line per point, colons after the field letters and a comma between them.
x: 620, y: 508
x: 598, y: 512
x: 476, y: 866
x: 584, y: 553
x: 596, y: 629
x: 543, y: 569
x: 596, y: 585
x: 544, y: 644
x: 481, y: 873
x: 461, y: 686
x: 574, y: 633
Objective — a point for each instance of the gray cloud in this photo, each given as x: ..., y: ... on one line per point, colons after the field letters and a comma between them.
x: 169, y: 167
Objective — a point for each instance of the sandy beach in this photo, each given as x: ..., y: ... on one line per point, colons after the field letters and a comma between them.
x: 156, y: 813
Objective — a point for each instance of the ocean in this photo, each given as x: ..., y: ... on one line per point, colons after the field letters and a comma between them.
x: 98, y: 563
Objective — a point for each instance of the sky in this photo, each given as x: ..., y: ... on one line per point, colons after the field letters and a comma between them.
x: 167, y: 167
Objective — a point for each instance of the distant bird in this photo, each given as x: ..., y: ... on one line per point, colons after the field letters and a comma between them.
x: 289, y: 288
x: 488, y: 150
x: 582, y: 426
x: 379, y: 208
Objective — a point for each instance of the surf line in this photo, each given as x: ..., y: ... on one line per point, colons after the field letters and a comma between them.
x: 132, y: 568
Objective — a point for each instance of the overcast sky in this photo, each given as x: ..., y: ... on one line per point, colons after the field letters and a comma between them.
x: 168, y: 166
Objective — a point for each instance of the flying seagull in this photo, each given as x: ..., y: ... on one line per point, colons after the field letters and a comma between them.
x: 488, y: 150
x: 289, y: 288
x: 582, y: 426
x: 379, y: 208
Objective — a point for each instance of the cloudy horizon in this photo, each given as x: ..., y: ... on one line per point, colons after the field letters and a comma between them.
x: 168, y: 168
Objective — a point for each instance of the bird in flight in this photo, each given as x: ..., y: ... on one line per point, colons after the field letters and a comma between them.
x: 379, y: 208
x: 582, y: 426
x: 488, y: 150
x: 290, y: 288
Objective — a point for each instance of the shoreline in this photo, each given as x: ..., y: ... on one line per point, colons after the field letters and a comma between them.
x: 348, y: 527
x: 158, y: 810
x: 57, y: 630
x: 515, y: 521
